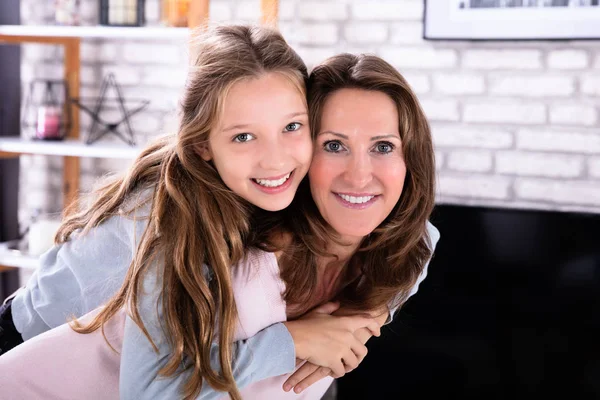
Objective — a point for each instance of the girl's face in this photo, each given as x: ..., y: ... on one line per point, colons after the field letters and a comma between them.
x: 262, y: 147
x: 358, y: 170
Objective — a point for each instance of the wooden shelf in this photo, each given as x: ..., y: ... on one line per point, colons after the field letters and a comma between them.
x: 68, y: 147
x: 94, y: 32
x: 16, y: 259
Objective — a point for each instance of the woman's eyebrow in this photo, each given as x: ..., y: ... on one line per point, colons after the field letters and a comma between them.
x: 378, y: 137
x: 333, y: 133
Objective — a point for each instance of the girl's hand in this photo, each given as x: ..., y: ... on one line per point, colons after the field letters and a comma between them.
x: 328, y: 341
x: 310, y: 373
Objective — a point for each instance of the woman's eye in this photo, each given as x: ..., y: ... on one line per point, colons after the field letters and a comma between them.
x: 242, y: 137
x: 332, y: 146
x: 384, y: 147
x: 294, y: 126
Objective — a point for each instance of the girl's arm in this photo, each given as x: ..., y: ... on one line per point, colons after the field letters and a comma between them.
x: 77, y: 276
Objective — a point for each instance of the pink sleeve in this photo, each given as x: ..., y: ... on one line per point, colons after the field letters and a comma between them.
x: 63, y: 364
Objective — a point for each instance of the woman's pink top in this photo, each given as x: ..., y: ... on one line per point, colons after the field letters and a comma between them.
x: 62, y: 364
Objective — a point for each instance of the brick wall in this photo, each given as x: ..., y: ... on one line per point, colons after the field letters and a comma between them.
x: 515, y: 124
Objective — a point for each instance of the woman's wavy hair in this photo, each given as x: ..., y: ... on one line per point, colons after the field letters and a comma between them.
x: 194, y: 218
x: 393, y: 256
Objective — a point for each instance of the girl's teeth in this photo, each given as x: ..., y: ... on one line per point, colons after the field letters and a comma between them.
x: 356, y: 200
x: 270, y: 183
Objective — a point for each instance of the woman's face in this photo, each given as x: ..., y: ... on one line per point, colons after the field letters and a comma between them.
x: 262, y: 147
x: 358, y: 170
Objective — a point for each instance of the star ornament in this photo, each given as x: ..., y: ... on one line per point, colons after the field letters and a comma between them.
x: 101, y: 127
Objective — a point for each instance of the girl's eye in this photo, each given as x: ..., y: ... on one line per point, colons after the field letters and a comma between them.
x: 332, y: 146
x: 243, y: 137
x: 294, y: 126
x: 384, y: 147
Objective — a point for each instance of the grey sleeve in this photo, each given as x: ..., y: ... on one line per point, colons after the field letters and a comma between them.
x: 434, y: 236
x: 75, y: 277
x: 269, y: 353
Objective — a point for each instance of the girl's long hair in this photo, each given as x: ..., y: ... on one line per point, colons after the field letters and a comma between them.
x: 392, y: 257
x: 194, y: 218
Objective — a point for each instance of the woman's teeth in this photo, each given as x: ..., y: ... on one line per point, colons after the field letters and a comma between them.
x: 271, y: 183
x: 356, y: 200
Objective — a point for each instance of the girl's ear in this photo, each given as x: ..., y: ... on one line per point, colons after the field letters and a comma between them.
x: 204, y: 151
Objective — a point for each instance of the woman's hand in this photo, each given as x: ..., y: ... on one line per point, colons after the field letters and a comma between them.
x: 329, y: 341
x: 310, y: 373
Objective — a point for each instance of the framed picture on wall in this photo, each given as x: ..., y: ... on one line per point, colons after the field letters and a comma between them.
x: 511, y: 19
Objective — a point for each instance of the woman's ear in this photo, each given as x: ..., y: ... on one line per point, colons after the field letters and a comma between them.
x: 204, y: 151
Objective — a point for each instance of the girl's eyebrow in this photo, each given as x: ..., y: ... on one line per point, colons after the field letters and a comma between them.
x: 243, y: 126
x: 378, y: 137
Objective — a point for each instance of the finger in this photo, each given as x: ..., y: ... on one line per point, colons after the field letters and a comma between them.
x: 359, y: 350
x: 327, y: 308
x: 350, y: 360
x: 299, y: 375
x: 338, y: 369
x: 316, y: 376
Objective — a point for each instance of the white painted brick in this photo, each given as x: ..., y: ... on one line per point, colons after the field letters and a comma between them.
x: 567, y: 59
x: 366, y: 32
x: 89, y: 75
x: 457, y: 84
x: 532, y: 86
x: 439, y: 160
x: 99, y: 52
x: 573, y: 114
x: 597, y: 62
x: 441, y: 110
x: 151, y: 53
x: 504, y: 112
x: 318, y: 34
x: 539, y: 164
x: 124, y: 74
x: 287, y: 10
x: 160, y: 99
x: 470, y: 161
x: 591, y: 85
x: 322, y: 11
x: 387, y: 10
x: 419, y: 83
x: 406, y: 32
x: 165, y: 77
x: 557, y: 191
x: 146, y: 123
x: 34, y: 52
x: 220, y: 11
x: 419, y: 57
x: 502, y: 59
x: 561, y: 141
x: 465, y: 136
x: 473, y: 186
x: 49, y: 71
x: 314, y: 55
x: 247, y: 10
x: 594, y: 167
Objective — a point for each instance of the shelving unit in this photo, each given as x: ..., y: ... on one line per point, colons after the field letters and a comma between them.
x: 72, y: 149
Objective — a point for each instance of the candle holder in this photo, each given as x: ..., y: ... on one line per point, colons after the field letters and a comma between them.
x: 47, y: 111
x: 122, y: 13
x: 174, y: 13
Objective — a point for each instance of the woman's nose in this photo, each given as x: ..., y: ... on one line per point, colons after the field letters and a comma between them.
x: 359, y: 171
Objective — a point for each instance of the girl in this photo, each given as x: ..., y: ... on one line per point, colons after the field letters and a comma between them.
x: 190, y: 201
